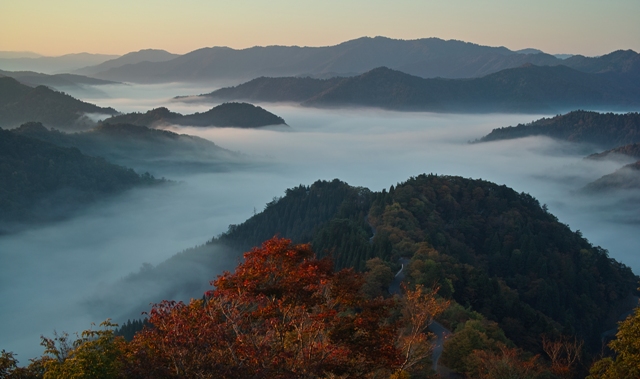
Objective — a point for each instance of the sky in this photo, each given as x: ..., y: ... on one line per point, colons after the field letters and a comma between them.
x: 588, y: 27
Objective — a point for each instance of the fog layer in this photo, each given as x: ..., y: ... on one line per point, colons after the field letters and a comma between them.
x: 51, y: 276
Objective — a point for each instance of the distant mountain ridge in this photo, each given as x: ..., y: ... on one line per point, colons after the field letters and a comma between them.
x: 625, y: 178
x: 40, y: 181
x: 57, y: 81
x: 241, y: 115
x: 527, y: 88
x: 632, y: 151
x: 20, y: 103
x: 146, y: 55
x: 54, y: 65
x: 607, y: 130
x: 138, y: 147
x: 426, y: 58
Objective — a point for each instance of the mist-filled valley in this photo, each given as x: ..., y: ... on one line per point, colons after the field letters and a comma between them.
x: 56, y: 276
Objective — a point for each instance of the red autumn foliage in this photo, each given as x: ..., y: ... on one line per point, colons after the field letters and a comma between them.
x: 281, y: 314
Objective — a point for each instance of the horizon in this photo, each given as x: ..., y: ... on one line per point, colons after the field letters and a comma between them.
x: 587, y: 28
x: 29, y: 54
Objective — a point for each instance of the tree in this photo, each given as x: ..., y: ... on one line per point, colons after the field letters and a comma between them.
x: 281, y: 314
x: 626, y: 364
x: 95, y: 354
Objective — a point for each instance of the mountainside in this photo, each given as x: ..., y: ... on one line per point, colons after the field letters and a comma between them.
x: 625, y: 178
x: 620, y: 62
x: 54, y: 65
x: 523, y: 89
x: 607, y: 130
x: 20, y: 103
x: 40, y: 181
x: 490, y: 249
x: 147, y: 55
x: 428, y: 57
x: 139, y: 147
x: 58, y: 81
x: 630, y: 151
x: 241, y: 115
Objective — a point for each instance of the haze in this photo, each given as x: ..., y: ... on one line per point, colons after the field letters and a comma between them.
x: 50, y: 274
x: 116, y: 27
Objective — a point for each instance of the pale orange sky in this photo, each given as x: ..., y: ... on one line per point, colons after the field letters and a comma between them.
x: 589, y: 27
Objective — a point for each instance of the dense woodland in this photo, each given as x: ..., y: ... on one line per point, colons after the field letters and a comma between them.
x: 515, y: 276
x: 605, y: 130
x: 20, y: 103
x: 523, y: 89
x: 40, y: 181
x: 240, y: 115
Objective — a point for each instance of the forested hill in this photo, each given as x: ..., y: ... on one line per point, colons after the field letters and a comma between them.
x: 630, y: 151
x: 241, y: 115
x: 625, y: 178
x: 139, y: 147
x: 20, y: 103
x: 40, y: 181
x: 606, y: 130
x: 488, y: 247
x: 524, y: 89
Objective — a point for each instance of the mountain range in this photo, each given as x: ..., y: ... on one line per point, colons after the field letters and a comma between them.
x: 427, y: 58
x: 52, y: 65
x: 146, y: 55
x: 523, y: 89
x: 56, y: 81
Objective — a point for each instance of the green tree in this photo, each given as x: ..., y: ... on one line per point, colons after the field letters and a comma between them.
x: 626, y: 364
x: 95, y: 354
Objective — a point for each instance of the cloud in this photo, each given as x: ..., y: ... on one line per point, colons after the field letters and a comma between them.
x: 64, y: 276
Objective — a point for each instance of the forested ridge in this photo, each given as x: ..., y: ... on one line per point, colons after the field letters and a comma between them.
x: 137, y: 146
x: 520, y: 283
x: 241, y: 115
x: 20, y: 103
x: 489, y: 248
x: 605, y: 130
x: 522, y: 89
x: 40, y: 181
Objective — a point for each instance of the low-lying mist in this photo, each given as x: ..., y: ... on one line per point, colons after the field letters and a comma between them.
x: 54, y: 277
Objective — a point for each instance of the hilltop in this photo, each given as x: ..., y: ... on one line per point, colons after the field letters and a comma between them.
x: 240, y: 115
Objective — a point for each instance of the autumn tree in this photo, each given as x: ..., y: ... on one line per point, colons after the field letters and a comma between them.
x: 95, y: 354
x: 506, y: 363
x: 281, y: 314
x: 420, y: 307
x: 564, y: 352
x: 626, y: 364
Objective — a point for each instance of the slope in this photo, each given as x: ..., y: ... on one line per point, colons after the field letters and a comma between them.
x: 41, y: 182
x: 20, y: 103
